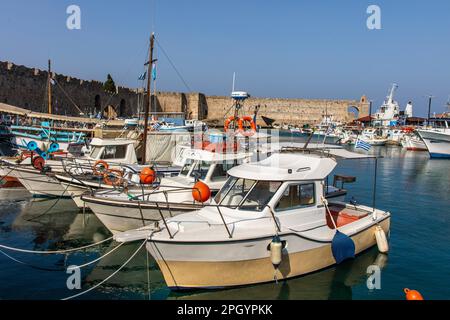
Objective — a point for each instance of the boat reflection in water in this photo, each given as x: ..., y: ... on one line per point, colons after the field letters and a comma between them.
x: 56, y: 223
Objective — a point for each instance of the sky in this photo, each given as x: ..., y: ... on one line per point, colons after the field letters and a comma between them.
x: 287, y: 49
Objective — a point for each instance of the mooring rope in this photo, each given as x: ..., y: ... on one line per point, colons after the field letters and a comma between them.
x: 97, y: 259
x: 57, y: 251
x: 29, y: 264
x: 110, y: 276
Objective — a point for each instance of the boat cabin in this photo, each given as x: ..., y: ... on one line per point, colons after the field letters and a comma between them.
x: 289, y: 186
x: 113, y: 150
x: 209, y: 167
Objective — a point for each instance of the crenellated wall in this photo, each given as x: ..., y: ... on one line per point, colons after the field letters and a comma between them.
x: 26, y: 87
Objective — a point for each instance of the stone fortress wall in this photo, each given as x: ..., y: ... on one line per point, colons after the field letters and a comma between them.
x: 25, y: 87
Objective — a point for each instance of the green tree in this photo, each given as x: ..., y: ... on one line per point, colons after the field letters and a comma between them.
x: 109, y: 85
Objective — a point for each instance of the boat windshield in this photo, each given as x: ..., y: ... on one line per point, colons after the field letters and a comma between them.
x: 186, y: 168
x: 95, y: 153
x: 247, y: 194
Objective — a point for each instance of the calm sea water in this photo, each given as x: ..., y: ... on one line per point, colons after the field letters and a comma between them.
x: 412, y: 187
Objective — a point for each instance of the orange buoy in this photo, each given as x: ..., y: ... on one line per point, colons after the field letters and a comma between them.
x: 147, y: 176
x: 201, y: 192
x: 412, y: 294
x: 100, y: 167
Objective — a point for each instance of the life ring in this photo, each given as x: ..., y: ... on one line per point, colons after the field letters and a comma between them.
x: 247, y: 133
x: 116, y: 176
x: 100, y: 167
x: 228, y: 122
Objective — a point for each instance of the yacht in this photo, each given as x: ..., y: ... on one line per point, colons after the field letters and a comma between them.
x: 270, y: 221
x: 437, y: 137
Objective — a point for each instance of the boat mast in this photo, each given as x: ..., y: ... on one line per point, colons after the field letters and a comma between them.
x: 147, y: 105
x: 49, y: 86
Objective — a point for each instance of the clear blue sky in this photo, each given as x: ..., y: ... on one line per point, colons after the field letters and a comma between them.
x: 311, y: 49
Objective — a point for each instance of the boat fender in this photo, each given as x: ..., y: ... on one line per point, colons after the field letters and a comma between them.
x: 100, y: 167
x: 201, y: 192
x: 147, y: 176
x: 38, y: 163
x: 412, y: 294
x: 382, y: 243
x: 276, y: 248
x: 32, y: 146
x: 53, y: 147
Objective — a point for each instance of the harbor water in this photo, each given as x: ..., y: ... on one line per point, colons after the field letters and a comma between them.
x: 414, y: 188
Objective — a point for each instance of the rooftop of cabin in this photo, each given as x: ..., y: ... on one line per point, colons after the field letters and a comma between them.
x: 286, y: 167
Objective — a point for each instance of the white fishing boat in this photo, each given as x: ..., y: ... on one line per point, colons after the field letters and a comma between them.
x: 42, y: 182
x: 388, y: 114
x: 373, y: 136
x: 412, y: 142
x: 437, y: 138
x: 269, y: 221
x: 122, y: 210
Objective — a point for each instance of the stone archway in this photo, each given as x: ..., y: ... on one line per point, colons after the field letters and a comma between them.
x: 352, y: 112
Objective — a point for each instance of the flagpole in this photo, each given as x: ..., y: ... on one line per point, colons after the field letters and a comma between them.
x: 147, y: 105
x: 49, y: 86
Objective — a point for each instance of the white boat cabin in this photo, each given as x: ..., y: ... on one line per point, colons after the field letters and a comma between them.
x: 113, y: 150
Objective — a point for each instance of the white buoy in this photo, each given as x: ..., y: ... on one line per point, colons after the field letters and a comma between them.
x: 382, y: 243
x: 276, y: 248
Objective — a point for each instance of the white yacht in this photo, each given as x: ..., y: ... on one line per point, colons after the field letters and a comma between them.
x: 437, y: 137
x: 269, y: 221
x: 389, y: 111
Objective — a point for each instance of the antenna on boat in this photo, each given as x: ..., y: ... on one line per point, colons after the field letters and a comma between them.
x: 49, y: 86
x: 149, y: 96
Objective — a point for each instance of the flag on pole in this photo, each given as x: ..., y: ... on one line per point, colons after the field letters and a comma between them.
x: 143, y: 76
x: 154, y: 72
x: 329, y: 131
x: 361, y: 144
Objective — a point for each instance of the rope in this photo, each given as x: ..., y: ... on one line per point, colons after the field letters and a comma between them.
x: 110, y: 276
x: 27, y: 264
x: 57, y: 251
x: 98, y: 259
x: 173, y: 66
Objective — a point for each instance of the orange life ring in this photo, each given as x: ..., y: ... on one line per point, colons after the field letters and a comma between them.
x: 117, y: 177
x: 247, y: 133
x: 228, y: 122
x: 100, y: 167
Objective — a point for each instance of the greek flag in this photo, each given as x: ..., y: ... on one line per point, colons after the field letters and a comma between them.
x: 329, y: 131
x: 156, y: 126
x: 360, y: 144
x: 154, y: 72
x: 143, y: 76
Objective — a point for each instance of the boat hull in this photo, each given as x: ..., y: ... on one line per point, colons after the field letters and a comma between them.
x: 438, y: 143
x: 229, y: 264
x: 39, y: 184
x: 120, y: 216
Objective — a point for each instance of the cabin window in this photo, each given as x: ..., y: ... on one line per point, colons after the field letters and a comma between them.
x: 220, y: 171
x: 95, y: 153
x: 115, y: 152
x: 234, y: 191
x: 260, y: 195
x: 186, y: 168
x: 200, y: 170
x: 297, y: 196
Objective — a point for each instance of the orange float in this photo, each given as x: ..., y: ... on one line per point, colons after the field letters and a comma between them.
x: 412, y: 294
x: 100, y: 167
x: 113, y: 177
x: 147, y: 176
x: 38, y: 163
x: 228, y: 122
x: 201, y: 192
